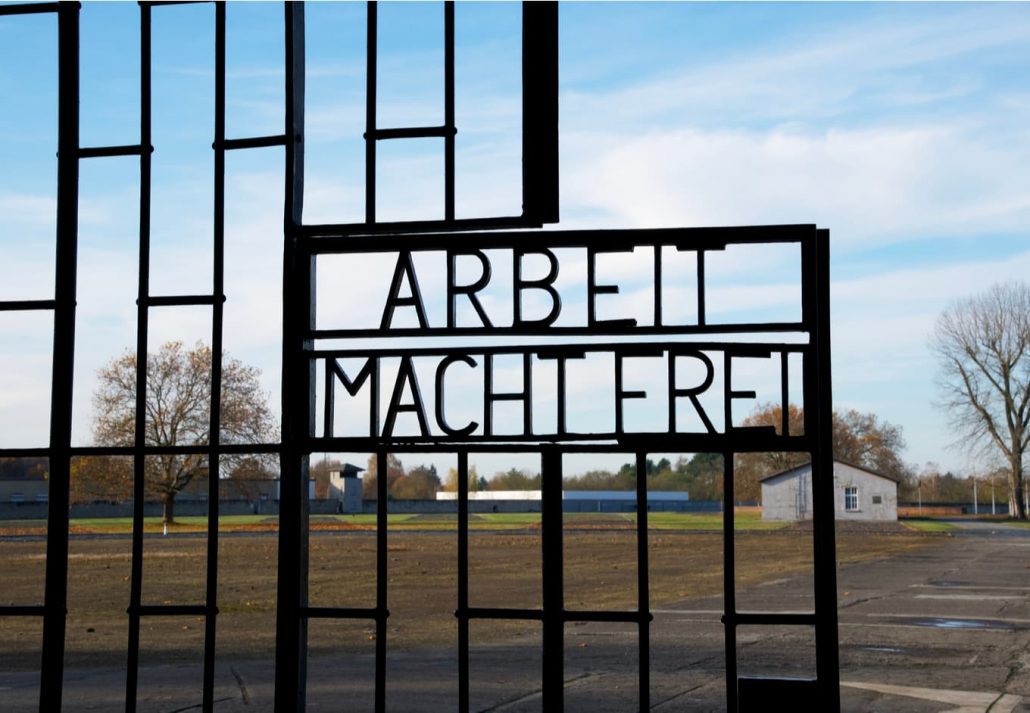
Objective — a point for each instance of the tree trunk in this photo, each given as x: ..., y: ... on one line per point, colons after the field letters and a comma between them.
x: 168, y: 499
x: 1017, y: 506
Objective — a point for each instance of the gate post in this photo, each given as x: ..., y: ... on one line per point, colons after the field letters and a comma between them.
x: 56, y: 594
x: 298, y: 403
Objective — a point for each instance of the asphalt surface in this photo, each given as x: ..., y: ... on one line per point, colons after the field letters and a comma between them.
x: 945, y: 628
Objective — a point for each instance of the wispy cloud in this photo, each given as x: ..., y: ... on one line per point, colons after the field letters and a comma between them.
x: 870, y: 186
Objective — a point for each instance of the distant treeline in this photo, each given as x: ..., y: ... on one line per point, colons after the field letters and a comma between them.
x: 24, y: 468
x: 700, y: 475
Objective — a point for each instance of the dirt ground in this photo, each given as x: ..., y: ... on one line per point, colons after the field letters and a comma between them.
x: 600, y: 573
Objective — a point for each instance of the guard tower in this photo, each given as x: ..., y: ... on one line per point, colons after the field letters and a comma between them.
x: 345, y: 487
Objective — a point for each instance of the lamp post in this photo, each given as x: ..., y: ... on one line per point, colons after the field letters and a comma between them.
x: 976, y: 510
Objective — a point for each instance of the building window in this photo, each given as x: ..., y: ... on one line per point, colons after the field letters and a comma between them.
x: 877, y: 500
x: 850, y: 499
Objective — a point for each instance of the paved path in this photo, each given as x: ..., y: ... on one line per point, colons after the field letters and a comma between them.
x: 989, y: 527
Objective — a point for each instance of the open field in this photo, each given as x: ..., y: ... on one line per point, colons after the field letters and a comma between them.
x: 928, y: 621
x: 600, y: 572
x: 402, y: 522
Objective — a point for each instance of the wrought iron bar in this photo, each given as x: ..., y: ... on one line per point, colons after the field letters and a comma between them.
x: 552, y: 559
x: 63, y: 368
x: 297, y: 379
x: 643, y: 590
x: 823, y: 540
x: 142, y: 331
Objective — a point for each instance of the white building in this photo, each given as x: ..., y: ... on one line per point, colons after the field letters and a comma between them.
x: 858, y: 494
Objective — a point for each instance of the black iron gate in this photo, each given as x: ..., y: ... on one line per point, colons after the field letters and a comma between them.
x: 308, y: 350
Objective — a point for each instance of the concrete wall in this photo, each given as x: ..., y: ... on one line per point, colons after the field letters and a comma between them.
x: 789, y: 496
x: 514, y: 506
x: 193, y: 508
x: 28, y: 490
x: 186, y: 508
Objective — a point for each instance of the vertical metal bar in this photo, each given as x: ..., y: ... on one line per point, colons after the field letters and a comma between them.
x: 488, y: 385
x: 382, y: 562
x: 824, y: 555
x: 729, y: 586
x: 463, y: 582
x: 619, y: 424
x: 449, y: 128
x: 55, y: 598
x: 784, y: 393
x: 214, y: 435
x: 527, y: 391
x: 562, y: 427
x: 552, y: 556
x: 658, y: 285
x: 701, y: 289
x: 328, y: 425
x: 298, y: 413
x: 643, y: 590
x: 142, y: 329
x: 372, y: 51
x: 540, y: 111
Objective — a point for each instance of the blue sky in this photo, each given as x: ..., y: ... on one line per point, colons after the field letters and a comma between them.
x: 903, y: 128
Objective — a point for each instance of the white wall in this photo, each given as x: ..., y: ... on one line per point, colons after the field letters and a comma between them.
x: 789, y: 496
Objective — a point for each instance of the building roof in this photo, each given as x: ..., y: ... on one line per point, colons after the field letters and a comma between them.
x: 835, y: 462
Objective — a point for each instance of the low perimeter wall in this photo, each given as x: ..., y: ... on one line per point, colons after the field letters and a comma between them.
x: 514, y: 506
x: 198, y: 508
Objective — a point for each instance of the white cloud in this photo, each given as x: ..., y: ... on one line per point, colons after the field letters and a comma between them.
x: 869, y: 186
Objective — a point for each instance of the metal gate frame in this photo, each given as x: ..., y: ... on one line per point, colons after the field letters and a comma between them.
x: 302, y: 244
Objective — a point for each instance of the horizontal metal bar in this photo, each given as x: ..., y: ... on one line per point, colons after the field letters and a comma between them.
x: 22, y: 610
x: 363, y: 237
x: 769, y: 618
x: 348, y: 232
x: 101, y: 151
x: 183, y: 300
x: 256, y: 142
x: 494, y: 613
x: 159, y: 3
x: 738, y: 442
x: 680, y: 442
x: 227, y: 448
x: 554, y: 350
x: 173, y: 610
x: 374, y: 613
x: 628, y: 617
x: 414, y: 132
x: 24, y: 452
x: 29, y: 8
x: 27, y: 305
x: 533, y: 330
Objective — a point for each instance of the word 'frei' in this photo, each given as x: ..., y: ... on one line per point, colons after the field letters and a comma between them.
x: 685, y: 373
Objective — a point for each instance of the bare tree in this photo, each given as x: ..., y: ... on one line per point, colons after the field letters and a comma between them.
x: 178, y: 408
x: 983, y: 346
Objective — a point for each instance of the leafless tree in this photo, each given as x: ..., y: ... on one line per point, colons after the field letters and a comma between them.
x: 178, y: 407
x: 983, y: 346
